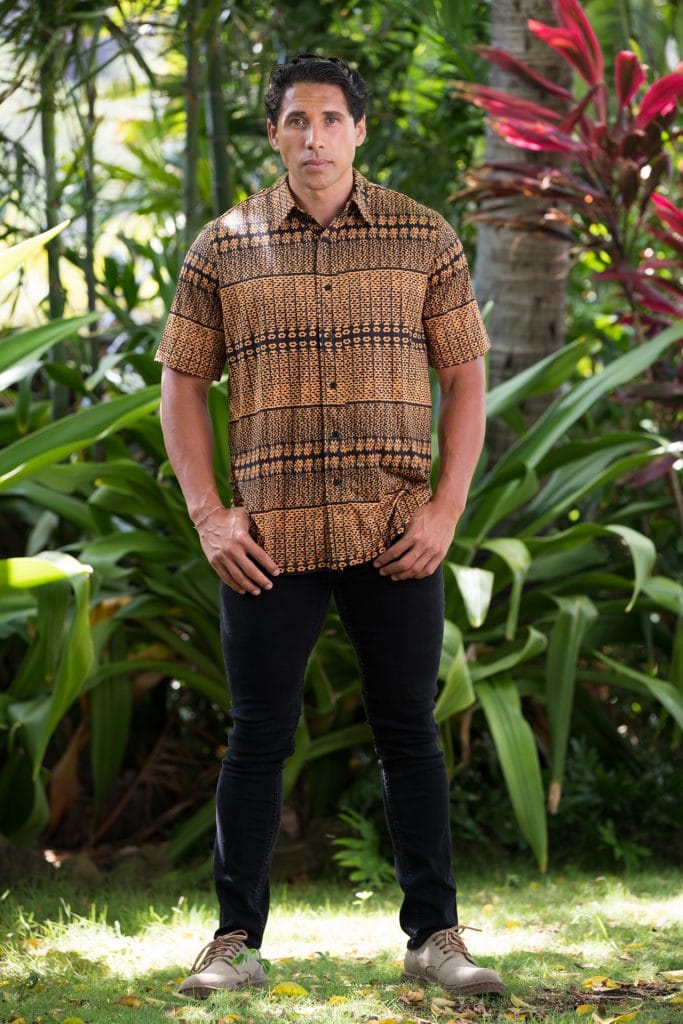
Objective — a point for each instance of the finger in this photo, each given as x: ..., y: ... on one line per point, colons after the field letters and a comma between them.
x: 404, y: 564
x: 398, y: 548
x: 251, y: 571
x: 243, y: 581
x: 258, y: 554
x: 230, y: 581
x: 416, y: 570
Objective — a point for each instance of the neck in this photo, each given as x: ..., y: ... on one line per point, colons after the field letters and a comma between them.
x: 323, y: 204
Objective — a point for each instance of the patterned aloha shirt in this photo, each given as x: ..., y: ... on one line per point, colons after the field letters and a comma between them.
x: 327, y: 333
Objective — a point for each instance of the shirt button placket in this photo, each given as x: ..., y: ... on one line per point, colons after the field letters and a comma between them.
x: 328, y: 387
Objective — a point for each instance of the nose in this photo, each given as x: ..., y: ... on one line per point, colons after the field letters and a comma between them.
x: 314, y: 137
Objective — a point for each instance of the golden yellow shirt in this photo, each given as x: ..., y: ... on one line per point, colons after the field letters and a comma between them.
x: 327, y: 333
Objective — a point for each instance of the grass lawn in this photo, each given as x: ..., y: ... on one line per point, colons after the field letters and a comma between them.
x: 571, y: 947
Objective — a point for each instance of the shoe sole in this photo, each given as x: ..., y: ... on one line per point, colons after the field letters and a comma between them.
x: 204, y: 993
x: 474, y: 989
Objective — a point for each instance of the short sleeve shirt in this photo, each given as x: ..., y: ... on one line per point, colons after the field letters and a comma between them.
x: 327, y: 334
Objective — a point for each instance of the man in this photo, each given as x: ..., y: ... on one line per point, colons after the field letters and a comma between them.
x: 328, y: 296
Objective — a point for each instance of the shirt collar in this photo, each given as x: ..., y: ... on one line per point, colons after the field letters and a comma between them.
x: 284, y: 201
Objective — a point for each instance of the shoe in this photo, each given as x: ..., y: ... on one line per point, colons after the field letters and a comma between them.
x: 214, y: 968
x: 444, y: 958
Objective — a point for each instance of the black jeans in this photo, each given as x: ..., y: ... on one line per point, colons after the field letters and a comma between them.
x: 396, y: 629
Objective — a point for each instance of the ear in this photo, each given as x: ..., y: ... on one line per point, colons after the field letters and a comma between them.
x: 272, y: 135
x: 361, y: 131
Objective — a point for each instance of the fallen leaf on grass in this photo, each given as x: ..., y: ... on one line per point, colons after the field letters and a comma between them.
x: 516, y: 1001
x: 415, y: 995
x: 73, y: 1020
x: 599, y: 981
x: 131, y: 1001
x: 337, y: 1000
x: 584, y: 1008
x: 676, y: 999
x: 290, y: 989
x: 229, y: 1019
x: 675, y: 976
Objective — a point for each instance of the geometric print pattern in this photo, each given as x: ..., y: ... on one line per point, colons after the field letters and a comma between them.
x: 327, y: 334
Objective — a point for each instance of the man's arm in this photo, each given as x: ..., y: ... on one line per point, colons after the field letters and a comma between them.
x: 462, y: 422
x: 223, y: 533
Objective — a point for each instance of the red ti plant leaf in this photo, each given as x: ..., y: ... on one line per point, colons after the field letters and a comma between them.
x: 503, y: 105
x: 661, y: 98
x: 629, y: 75
x: 568, y: 43
x: 508, y: 63
x: 570, y: 15
x: 668, y: 212
x: 537, y: 136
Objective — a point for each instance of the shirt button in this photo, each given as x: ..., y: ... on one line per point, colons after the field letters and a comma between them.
x: 327, y: 287
x: 332, y: 384
x: 335, y: 435
x: 337, y: 481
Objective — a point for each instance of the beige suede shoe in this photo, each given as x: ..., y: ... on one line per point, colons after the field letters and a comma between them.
x: 215, y: 969
x: 444, y: 959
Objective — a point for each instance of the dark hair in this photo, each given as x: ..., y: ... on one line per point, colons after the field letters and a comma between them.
x: 309, y: 67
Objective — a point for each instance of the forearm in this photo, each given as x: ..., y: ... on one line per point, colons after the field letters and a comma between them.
x: 461, y: 430
x: 188, y: 437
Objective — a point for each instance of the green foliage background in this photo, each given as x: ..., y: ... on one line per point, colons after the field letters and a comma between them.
x: 564, y: 600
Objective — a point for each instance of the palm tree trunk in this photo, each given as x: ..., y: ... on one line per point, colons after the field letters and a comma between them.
x: 48, y: 81
x: 216, y: 121
x: 522, y: 272
x: 192, y: 110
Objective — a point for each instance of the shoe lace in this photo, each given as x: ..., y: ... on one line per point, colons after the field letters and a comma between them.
x: 224, y: 945
x: 450, y: 941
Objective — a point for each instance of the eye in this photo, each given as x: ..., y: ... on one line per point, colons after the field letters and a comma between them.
x: 332, y: 119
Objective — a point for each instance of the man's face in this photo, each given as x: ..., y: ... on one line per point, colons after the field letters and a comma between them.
x: 316, y: 137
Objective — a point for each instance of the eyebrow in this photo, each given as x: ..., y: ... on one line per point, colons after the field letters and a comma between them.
x: 303, y: 113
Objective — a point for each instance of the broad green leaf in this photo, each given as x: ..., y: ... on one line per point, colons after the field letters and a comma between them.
x: 494, y: 503
x: 476, y: 587
x: 109, y: 709
x: 108, y: 549
x: 457, y: 693
x: 543, y: 376
x: 516, y: 556
x: 574, y: 616
x: 192, y: 830
x: 643, y: 554
x: 48, y: 445
x: 16, y: 254
x: 294, y: 765
x: 19, y: 353
x: 339, y: 739
x: 214, y: 691
x: 508, y: 656
x: 518, y: 756
x: 668, y: 694
x: 665, y: 592
x: 579, y: 399
x: 48, y: 567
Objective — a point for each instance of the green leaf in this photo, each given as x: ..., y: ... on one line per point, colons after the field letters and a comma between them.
x: 458, y: 692
x: 47, y: 567
x: 579, y: 399
x: 643, y: 553
x: 575, y: 614
x: 109, y: 706
x: 508, y: 656
x: 668, y: 695
x: 543, y: 376
x: 476, y: 587
x: 16, y: 254
x: 19, y: 353
x: 516, y: 556
x: 518, y: 756
x: 191, y: 831
x: 48, y: 445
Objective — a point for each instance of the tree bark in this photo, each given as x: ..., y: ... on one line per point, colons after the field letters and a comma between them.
x: 523, y: 273
x: 192, y: 110
x: 216, y: 121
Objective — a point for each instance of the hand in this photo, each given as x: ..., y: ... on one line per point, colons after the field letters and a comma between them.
x: 419, y: 551
x: 233, y: 552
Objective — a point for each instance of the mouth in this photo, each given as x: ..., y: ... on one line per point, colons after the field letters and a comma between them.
x: 316, y: 164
